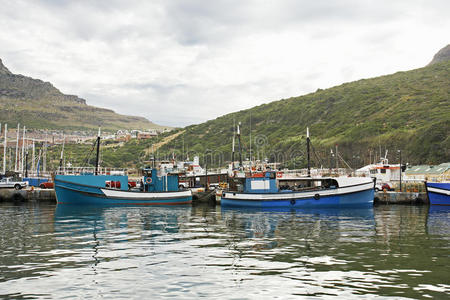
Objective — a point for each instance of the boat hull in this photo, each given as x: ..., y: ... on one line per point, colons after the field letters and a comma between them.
x: 75, y: 193
x: 359, y: 198
x: 438, y: 193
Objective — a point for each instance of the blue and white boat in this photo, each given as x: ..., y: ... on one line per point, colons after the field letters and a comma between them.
x: 265, y: 190
x: 438, y: 193
x: 94, y: 188
x: 103, y: 189
x: 269, y: 191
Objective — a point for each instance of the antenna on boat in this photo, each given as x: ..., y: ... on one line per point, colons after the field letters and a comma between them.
x: 98, y: 152
x: 308, y: 142
x: 239, y: 143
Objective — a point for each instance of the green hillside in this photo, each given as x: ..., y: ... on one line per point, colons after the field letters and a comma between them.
x: 409, y: 111
x: 39, y: 105
x: 406, y: 110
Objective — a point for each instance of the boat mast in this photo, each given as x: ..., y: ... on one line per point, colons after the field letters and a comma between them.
x: 308, y: 151
x: 62, y: 155
x: 239, y: 144
x: 337, y: 160
x: 4, y: 148
x: 44, y: 155
x: 98, y: 152
x: 232, y: 147
x: 250, y: 144
x: 33, y: 160
x: 23, y: 149
x: 17, y: 149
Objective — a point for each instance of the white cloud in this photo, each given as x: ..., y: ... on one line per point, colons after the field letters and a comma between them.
x: 183, y: 62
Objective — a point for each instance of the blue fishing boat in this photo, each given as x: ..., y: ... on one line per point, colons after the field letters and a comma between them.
x: 438, y: 193
x: 265, y: 190
x: 95, y: 188
x: 269, y: 191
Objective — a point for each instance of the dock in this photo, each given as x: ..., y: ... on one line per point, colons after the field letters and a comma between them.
x: 25, y: 195
x: 48, y: 195
x: 391, y: 197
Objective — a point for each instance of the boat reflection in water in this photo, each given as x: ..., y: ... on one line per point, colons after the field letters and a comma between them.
x: 305, y: 228
x: 94, y: 217
x: 438, y: 221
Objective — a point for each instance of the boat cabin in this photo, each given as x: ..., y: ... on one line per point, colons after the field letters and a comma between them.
x: 267, y: 182
x: 152, y: 182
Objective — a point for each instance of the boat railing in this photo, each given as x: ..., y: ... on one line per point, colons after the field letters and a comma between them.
x: 315, y: 172
x: 45, y: 175
x: 91, y: 170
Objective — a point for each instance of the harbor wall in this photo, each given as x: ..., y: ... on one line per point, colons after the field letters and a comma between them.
x: 48, y: 195
x: 24, y: 195
x: 388, y: 197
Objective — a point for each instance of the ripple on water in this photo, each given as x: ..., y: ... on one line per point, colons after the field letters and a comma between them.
x: 191, y: 252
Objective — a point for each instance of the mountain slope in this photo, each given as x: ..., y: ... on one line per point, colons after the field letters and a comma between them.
x: 442, y: 56
x: 406, y: 110
x: 38, y: 104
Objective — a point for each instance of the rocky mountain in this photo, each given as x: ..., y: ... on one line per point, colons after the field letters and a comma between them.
x: 3, y: 69
x: 442, y: 55
x: 38, y: 104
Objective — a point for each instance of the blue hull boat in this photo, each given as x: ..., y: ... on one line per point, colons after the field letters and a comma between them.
x: 354, y: 200
x: 348, y: 192
x: 94, y: 190
x: 266, y: 190
x: 438, y: 193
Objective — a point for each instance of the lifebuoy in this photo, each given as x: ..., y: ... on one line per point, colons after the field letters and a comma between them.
x: 317, y: 196
x: 279, y: 175
x: 148, y: 180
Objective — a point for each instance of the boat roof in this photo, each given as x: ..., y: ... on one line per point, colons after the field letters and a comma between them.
x: 342, y: 181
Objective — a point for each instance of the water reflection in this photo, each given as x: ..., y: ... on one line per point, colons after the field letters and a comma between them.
x: 438, y: 221
x: 188, y: 252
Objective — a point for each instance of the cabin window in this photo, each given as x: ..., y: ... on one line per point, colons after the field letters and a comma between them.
x: 329, y: 184
x: 260, y: 185
x: 383, y: 171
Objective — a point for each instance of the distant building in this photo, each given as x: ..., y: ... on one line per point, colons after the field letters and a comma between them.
x: 430, y: 173
x: 165, y: 130
x: 146, y: 135
x: 123, y: 137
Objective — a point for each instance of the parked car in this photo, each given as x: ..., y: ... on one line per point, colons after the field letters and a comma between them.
x: 9, y: 182
x: 46, y: 185
x: 382, y: 186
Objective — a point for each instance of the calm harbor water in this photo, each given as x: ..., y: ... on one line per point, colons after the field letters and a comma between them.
x: 55, y: 251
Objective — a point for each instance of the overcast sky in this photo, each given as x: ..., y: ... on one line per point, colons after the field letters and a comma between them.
x: 183, y: 62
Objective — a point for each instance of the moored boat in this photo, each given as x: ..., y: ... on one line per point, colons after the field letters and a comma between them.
x: 104, y: 189
x: 268, y: 191
x: 97, y: 188
x: 438, y: 193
